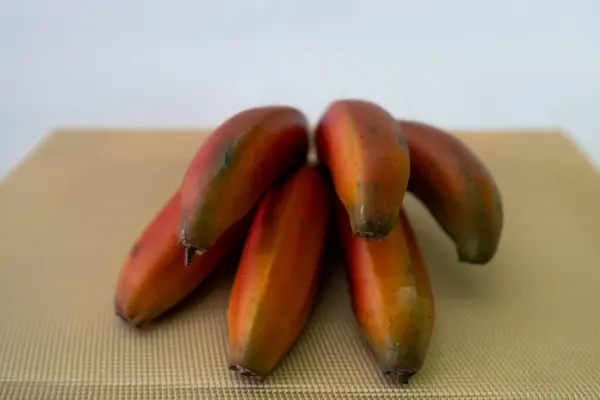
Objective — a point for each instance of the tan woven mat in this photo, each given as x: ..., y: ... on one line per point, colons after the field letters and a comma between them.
x: 525, y: 326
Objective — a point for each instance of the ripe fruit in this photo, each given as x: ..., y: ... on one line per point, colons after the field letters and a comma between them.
x: 153, y: 278
x: 457, y: 189
x: 234, y: 167
x: 365, y: 151
x: 277, y: 277
x: 391, y: 295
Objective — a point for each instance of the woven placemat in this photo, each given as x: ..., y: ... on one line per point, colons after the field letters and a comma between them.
x: 524, y: 326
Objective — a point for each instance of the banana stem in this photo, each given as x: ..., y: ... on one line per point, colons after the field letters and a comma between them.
x: 190, y: 251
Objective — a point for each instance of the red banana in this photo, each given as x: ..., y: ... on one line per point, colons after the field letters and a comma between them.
x: 457, y: 188
x: 391, y: 295
x: 153, y: 278
x: 277, y: 277
x: 365, y: 151
x: 234, y: 167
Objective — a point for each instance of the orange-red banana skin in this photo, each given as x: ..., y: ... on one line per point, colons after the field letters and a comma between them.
x: 276, y: 281
x: 457, y: 189
x: 391, y: 295
x: 153, y: 277
x: 235, y: 166
x: 366, y: 153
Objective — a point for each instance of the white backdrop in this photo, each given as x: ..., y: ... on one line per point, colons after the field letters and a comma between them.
x: 456, y: 63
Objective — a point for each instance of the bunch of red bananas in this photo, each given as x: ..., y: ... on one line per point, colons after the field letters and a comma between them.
x: 250, y: 187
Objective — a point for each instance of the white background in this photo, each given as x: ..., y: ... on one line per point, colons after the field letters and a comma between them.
x: 456, y: 63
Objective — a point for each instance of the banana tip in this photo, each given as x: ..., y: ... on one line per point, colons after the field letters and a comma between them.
x: 373, y: 228
x: 245, y: 372
x: 403, y: 375
x: 126, y: 318
x: 369, y: 236
x: 190, y: 252
x: 474, y: 258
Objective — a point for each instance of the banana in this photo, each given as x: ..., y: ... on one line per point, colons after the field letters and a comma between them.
x: 153, y: 278
x: 277, y: 278
x: 391, y: 295
x: 457, y: 189
x: 367, y: 156
x: 234, y: 167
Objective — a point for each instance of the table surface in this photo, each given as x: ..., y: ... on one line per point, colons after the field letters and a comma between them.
x: 523, y: 326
